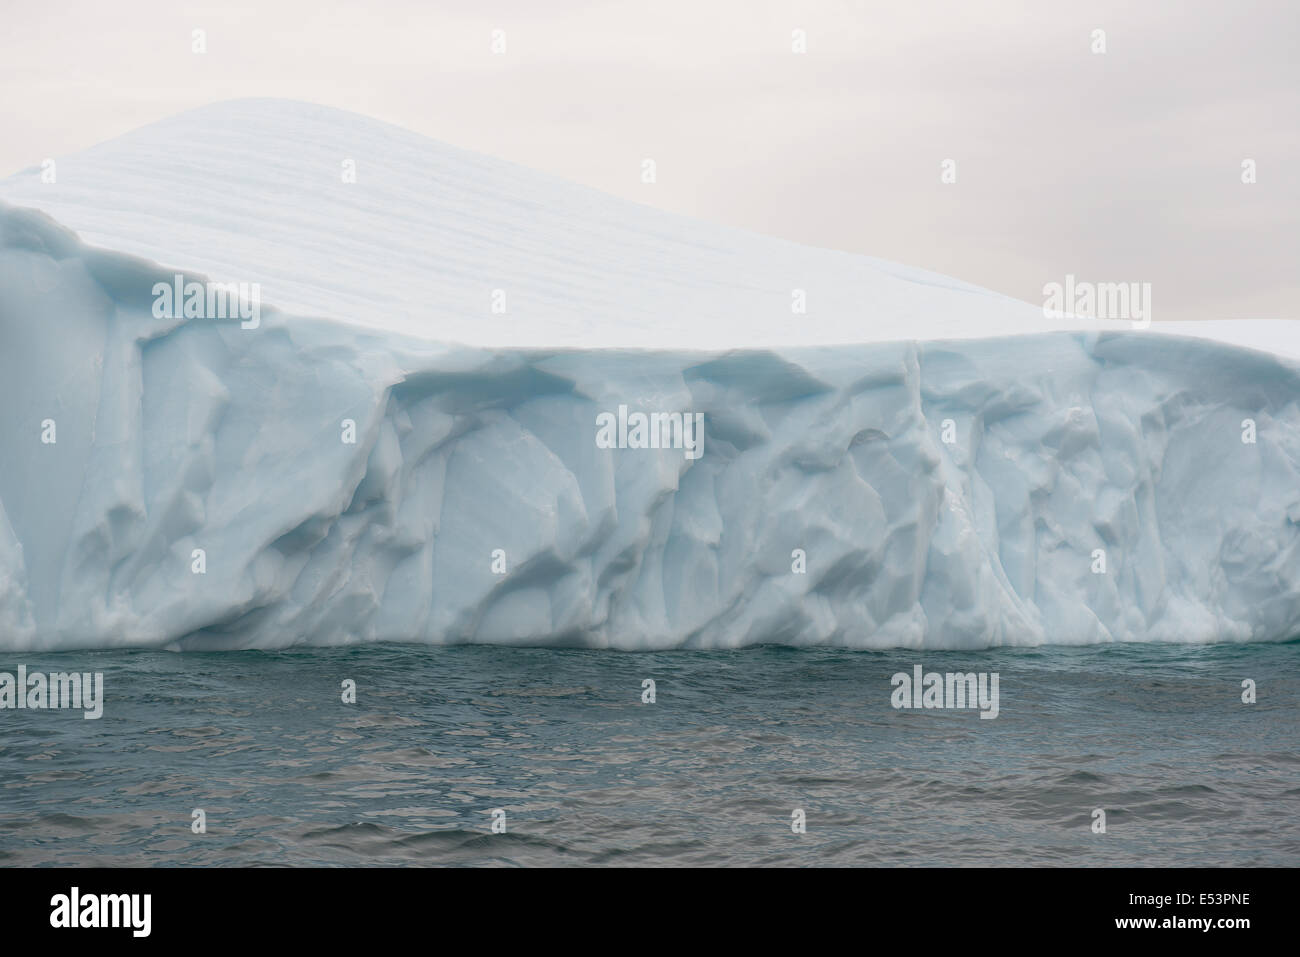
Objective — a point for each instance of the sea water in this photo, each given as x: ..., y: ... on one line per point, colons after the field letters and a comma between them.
x: 254, y: 758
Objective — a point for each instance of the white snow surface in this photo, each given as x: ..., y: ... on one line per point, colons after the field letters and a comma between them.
x: 476, y: 432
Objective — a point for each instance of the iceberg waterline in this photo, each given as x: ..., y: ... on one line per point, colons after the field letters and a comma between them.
x: 353, y: 479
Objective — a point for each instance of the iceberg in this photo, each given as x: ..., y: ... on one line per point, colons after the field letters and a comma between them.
x: 482, y: 405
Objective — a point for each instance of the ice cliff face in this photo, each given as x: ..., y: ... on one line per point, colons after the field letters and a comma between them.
x: 912, y: 462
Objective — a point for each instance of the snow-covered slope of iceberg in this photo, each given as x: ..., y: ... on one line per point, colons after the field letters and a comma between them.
x: 913, y: 462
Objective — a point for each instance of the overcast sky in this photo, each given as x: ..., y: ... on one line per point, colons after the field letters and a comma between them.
x: 1117, y: 166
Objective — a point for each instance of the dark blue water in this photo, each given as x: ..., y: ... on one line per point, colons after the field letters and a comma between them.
x: 1157, y: 736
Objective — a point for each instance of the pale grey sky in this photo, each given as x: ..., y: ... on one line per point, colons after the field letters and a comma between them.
x: 1116, y: 166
